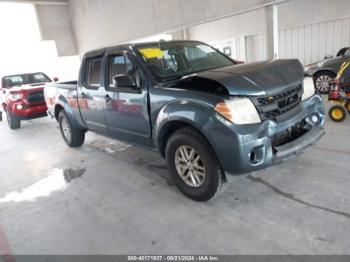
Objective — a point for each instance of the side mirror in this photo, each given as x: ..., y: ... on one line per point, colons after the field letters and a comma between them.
x: 124, y: 80
x: 328, y: 57
x: 55, y: 79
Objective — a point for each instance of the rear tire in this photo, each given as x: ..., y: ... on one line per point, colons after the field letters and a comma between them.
x: 72, y: 136
x: 14, y: 123
x: 193, y: 166
x: 337, y: 113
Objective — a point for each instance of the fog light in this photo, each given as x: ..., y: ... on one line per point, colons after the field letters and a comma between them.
x: 256, y: 156
x: 19, y: 107
x: 315, y: 119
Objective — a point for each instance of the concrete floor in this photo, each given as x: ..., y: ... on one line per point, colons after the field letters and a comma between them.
x: 110, y: 198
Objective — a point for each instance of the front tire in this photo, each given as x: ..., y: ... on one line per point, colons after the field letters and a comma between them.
x: 337, y: 113
x: 322, y: 80
x: 72, y: 136
x: 193, y: 165
x: 14, y: 123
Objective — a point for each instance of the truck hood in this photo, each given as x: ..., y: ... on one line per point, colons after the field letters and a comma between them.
x: 257, y: 79
x: 29, y: 87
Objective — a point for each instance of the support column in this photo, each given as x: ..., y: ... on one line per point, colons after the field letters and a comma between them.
x: 185, y: 34
x: 271, y: 34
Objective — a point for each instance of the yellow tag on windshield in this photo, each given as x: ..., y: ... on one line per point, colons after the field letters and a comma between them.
x: 152, y: 52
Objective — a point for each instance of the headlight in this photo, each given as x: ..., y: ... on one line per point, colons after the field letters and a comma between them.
x: 240, y: 111
x: 306, y: 68
x: 309, y: 88
x: 15, y: 96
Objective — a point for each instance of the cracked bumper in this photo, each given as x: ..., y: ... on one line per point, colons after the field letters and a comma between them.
x: 243, y: 149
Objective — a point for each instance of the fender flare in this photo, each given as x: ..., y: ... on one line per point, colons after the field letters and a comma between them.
x: 188, y: 112
x: 327, y: 69
x: 61, y: 101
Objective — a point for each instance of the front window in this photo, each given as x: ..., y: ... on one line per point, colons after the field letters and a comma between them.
x: 25, y: 79
x: 170, y: 60
x: 117, y: 65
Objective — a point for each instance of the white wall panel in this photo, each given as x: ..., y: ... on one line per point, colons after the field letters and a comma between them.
x: 255, y: 47
x: 236, y: 44
x: 310, y: 43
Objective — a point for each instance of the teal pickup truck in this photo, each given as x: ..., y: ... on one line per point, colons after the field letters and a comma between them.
x: 211, y: 118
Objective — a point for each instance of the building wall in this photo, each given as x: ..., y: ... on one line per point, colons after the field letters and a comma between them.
x: 237, y: 24
x: 105, y: 22
x: 311, y: 43
x: 55, y: 24
x: 241, y: 25
x: 309, y: 29
x: 316, y: 28
x: 304, y: 12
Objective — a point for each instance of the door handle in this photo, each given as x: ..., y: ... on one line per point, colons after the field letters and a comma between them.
x: 108, y: 98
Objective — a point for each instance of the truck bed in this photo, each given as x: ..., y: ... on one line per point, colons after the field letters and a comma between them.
x: 62, y: 91
x: 64, y: 85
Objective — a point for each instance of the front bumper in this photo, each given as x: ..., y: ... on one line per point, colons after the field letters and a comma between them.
x: 246, y: 148
x: 26, y: 112
x: 297, y: 146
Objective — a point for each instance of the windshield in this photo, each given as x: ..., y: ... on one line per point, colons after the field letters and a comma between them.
x: 170, y: 60
x: 18, y: 80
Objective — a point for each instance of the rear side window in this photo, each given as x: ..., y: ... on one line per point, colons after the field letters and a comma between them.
x: 93, y: 71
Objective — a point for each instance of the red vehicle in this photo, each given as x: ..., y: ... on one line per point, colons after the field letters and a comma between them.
x: 23, y: 98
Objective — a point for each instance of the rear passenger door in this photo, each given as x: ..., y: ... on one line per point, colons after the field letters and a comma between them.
x: 91, y: 95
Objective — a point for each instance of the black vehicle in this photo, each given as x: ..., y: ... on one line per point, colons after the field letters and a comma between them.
x: 209, y: 117
x: 327, y: 69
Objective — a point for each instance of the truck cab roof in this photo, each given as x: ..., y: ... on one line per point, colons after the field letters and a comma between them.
x: 100, y: 51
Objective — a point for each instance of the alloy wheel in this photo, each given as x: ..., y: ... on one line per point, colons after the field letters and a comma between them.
x: 190, y: 166
x: 322, y: 83
x: 66, y: 129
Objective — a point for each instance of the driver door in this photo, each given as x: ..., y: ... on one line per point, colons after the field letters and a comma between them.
x: 126, y: 108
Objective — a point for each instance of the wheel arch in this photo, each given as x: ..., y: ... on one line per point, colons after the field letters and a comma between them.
x: 57, y: 110
x: 169, y: 128
x: 4, y: 106
x: 62, y: 104
x: 178, y: 115
x: 324, y: 70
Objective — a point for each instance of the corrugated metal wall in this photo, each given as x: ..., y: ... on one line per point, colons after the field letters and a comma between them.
x: 310, y: 43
